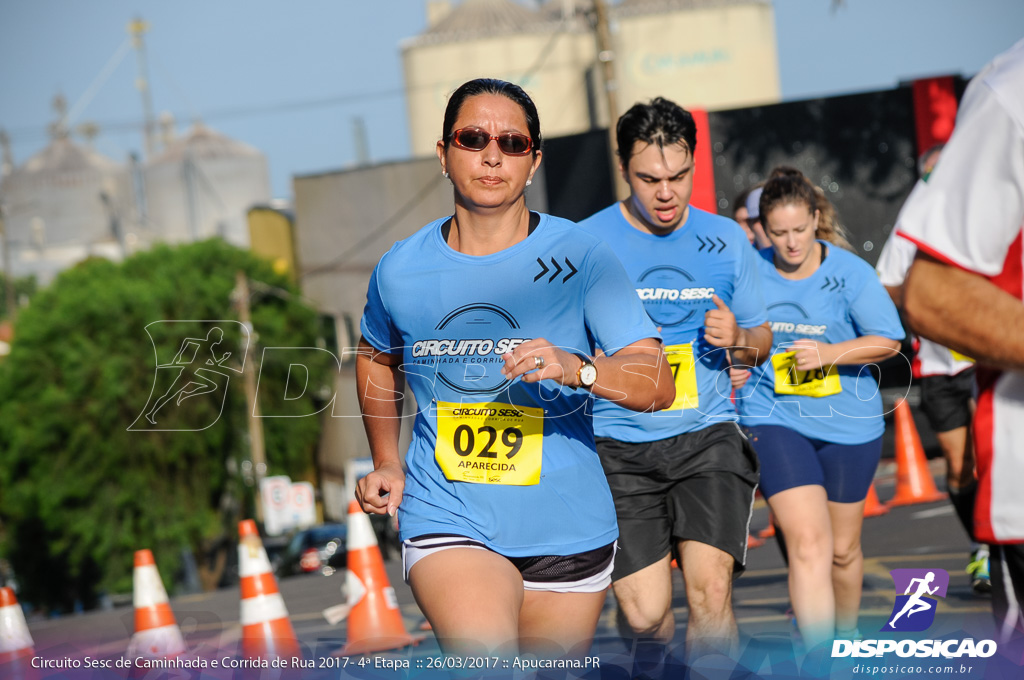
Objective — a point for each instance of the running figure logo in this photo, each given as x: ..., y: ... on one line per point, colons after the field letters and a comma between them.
x: 198, y: 372
x: 914, y: 609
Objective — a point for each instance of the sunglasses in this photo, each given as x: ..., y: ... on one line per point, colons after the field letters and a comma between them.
x: 475, y: 139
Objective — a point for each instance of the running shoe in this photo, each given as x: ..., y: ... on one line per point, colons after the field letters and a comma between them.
x: 977, y: 568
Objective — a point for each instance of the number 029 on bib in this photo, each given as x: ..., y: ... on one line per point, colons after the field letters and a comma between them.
x: 490, y: 443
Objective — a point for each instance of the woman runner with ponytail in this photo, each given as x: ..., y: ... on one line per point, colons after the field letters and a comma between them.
x: 812, y: 410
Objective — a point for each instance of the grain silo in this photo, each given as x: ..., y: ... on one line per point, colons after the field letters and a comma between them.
x: 202, y: 185
x: 64, y: 204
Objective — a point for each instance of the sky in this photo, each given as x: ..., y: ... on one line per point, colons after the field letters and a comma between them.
x: 293, y: 78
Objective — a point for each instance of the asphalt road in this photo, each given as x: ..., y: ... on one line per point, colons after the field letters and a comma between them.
x: 916, y: 536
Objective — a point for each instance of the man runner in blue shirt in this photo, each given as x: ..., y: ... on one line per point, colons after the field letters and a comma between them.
x: 684, y: 477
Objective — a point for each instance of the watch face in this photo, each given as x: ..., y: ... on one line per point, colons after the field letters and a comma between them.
x: 588, y: 375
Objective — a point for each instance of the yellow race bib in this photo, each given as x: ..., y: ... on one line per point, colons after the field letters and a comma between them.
x: 816, y: 383
x: 680, y: 358
x: 489, y: 443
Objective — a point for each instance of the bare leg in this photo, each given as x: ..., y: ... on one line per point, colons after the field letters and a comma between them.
x: 957, y: 451
x: 802, y: 514
x: 645, y: 601
x: 553, y: 625
x: 847, y: 561
x: 708, y: 574
x: 472, y: 599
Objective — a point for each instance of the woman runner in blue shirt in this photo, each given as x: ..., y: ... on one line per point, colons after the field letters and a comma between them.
x: 495, y: 315
x: 813, y: 410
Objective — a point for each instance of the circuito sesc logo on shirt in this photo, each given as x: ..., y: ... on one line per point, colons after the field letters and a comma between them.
x: 670, y: 296
x: 466, y: 353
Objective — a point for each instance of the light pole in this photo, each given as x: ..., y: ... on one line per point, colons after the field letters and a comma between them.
x: 12, y: 307
x: 257, y: 452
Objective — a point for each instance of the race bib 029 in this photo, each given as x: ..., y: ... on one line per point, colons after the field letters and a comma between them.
x: 489, y: 443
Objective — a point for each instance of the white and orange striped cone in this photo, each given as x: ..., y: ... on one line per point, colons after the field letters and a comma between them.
x: 16, y: 647
x: 374, y: 620
x: 267, y: 631
x: 157, y: 635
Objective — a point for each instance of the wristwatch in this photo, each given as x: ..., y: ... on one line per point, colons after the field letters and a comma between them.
x: 587, y: 374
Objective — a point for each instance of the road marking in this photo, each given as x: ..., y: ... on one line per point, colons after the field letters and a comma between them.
x: 927, y: 557
x: 781, y: 571
x: 763, y: 602
x: 934, y: 512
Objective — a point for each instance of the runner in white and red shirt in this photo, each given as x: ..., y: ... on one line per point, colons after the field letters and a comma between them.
x: 966, y: 291
x: 946, y: 381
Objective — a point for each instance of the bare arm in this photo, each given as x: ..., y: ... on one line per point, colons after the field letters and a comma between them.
x: 753, y: 345
x: 380, y: 386
x: 747, y: 346
x: 896, y: 293
x: 867, y: 349
x: 965, y: 312
x: 636, y: 377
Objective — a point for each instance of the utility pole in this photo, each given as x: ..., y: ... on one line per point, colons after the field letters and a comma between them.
x: 361, y: 144
x: 137, y: 28
x: 606, y: 55
x: 12, y: 303
x: 255, y: 418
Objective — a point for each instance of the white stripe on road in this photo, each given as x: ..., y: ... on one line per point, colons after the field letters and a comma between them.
x: 934, y: 512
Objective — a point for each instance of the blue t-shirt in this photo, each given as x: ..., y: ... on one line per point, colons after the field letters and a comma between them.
x: 452, y: 316
x: 841, y: 301
x: 675, y: 276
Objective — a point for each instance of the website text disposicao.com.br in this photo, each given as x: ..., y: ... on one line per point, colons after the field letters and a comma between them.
x: 959, y: 657
x: 902, y: 670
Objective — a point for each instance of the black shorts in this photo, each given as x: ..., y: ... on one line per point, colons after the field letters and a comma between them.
x: 697, y: 486
x: 946, y: 400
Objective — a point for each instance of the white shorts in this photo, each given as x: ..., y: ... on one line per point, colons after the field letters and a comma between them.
x: 586, y: 572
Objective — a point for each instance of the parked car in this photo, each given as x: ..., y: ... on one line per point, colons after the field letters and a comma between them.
x: 319, y: 549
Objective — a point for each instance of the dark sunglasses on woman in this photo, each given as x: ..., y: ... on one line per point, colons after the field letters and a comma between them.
x: 475, y: 139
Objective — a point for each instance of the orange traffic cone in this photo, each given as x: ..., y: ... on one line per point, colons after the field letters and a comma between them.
x: 374, y: 620
x: 914, y: 483
x: 157, y: 635
x: 16, y: 648
x: 769, y: 532
x: 872, y: 506
x: 267, y: 632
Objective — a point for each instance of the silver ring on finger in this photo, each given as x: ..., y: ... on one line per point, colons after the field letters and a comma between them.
x: 538, y: 361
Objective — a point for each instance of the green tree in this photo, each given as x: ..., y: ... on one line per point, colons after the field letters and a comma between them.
x: 79, y: 491
x: 23, y: 289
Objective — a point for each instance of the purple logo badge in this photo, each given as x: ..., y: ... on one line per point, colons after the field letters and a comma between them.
x: 916, y: 590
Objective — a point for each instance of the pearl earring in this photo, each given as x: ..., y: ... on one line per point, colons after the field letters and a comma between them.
x: 529, y: 182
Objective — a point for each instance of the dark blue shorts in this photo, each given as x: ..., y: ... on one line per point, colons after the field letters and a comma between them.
x: 789, y: 459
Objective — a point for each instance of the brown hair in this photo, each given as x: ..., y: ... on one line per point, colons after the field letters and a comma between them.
x: 789, y: 186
